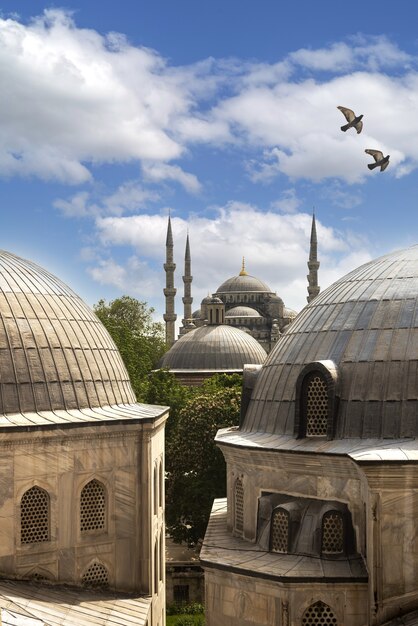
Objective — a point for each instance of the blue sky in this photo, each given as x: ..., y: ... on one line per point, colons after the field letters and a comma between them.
x: 223, y: 113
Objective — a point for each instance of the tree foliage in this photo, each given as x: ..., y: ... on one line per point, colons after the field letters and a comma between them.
x: 196, y: 472
x: 139, y: 338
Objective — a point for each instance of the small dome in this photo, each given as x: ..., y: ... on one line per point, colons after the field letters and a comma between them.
x: 207, y: 300
x: 214, y: 300
x: 55, y: 354
x: 365, y: 327
x: 241, y: 284
x: 242, y: 311
x: 220, y: 348
x: 289, y: 313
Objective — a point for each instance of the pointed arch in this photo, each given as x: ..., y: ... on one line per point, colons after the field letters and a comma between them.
x: 93, y: 507
x: 333, y: 535
x: 35, y: 516
x: 319, y: 614
x: 316, y: 405
x: 96, y: 575
x: 279, y: 533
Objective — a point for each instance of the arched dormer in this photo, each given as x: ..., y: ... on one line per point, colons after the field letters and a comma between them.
x: 316, y: 400
x: 279, y: 533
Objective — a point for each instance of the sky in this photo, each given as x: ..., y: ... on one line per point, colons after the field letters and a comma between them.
x: 222, y: 114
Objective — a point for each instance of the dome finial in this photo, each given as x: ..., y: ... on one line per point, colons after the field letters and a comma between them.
x: 243, y: 272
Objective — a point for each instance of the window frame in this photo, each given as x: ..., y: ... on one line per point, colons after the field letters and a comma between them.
x: 330, y: 374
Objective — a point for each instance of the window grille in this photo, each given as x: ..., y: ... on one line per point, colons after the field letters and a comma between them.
x: 161, y: 485
x: 93, y: 507
x: 318, y: 614
x: 332, y: 533
x: 155, y: 490
x: 316, y: 407
x: 95, y: 576
x: 280, y: 531
x: 34, y: 516
x: 239, y: 505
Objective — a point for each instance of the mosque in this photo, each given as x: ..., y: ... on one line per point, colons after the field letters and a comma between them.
x: 320, y: 523
x: 81, y: 466
x: 238, y: 324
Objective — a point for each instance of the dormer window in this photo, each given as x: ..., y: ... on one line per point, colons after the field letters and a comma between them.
x: 280, y: 531
x: 239, y: 506
x: 332, y: 533
x: 316, y: 400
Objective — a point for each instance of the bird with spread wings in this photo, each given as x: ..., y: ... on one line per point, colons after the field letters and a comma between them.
x: 354, y: 121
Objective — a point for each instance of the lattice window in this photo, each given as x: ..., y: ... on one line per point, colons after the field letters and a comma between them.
x: 280, y: 531
x: 34, y: 516
x: 161, y: 485
x: 155, y: 490
x: 93, y: 507
x: 316, y: 406
x: 239, y: 505
x: 333, y: 533
x: 319, y: 614
x: 95, y: 576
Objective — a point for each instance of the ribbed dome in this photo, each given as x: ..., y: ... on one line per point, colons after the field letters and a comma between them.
x: 242, y: 311
x: 54, y: 352
x: 242, y: 284
x: 213, y: 348
x: 365, y: 328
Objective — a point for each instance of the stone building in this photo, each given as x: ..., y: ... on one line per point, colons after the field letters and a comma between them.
x: 215, y: 348
x: 320, y: 523
x: 250, y: 304
x: 81, y: 465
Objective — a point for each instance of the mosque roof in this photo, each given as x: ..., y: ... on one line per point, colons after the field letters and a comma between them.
x: 242, y: 311
x: 365, y: 327
x: 56, y: 357
x: 242, y: 284
x: 215, y: 348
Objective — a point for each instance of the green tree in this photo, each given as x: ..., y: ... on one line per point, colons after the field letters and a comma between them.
x: 196, y: 472
x: 138, y: 337
x: 164, y: 388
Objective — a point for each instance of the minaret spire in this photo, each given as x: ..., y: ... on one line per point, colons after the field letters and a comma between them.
x: 313, y: 263
x: 169, y: 291
x: 187, y: 298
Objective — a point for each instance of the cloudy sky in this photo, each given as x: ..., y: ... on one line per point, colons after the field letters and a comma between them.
x: 224, y: 114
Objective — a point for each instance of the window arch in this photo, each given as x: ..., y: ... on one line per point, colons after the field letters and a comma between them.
x: 34, y: 516
x: 316, y: 400
x: 319, y: 614
x: 156, y: 573
x: 155, y: 489
x: 279, y: 534
x: 161, y: 485
x: 93, y: 507
x: 239, y: 505
x: 332, y: 533
x: 96, y: 575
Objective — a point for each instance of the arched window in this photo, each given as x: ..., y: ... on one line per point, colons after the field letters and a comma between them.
x: 156, y: 576
x: 161, y: 545
x: 279, y: 534
x: 319, y: 614
x: 239, y: 505
x: 34, y: 516
x: 95, y: 576
x: 317, y: 400
x: 332, y: 533
x: 155, y: 489
x: 93, y: 507
x: 161, y: 485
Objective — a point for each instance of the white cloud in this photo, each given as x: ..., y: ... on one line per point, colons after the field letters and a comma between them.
x: 129, y: 197
x: 288, y: 203
x: 162, y: 171
x: 136, y: 277
x: 275, y: 246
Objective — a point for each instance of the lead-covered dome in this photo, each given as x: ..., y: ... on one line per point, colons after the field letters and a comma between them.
x: 55, y: 354
x: 220, y: 348
x: 243, y: 283
x: 359, y: 338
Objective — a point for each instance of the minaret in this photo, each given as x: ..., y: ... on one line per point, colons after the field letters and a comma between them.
x: 313, y: 264
x: 187, y: 298
x: 169, y: 291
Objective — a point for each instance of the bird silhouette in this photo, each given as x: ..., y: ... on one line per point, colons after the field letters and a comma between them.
x: 353, y: 120
x: 381, y: 161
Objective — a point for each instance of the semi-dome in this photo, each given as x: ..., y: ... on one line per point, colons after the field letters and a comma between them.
x: 361, y: 338
x: 243, y: 283
x: 242, y: 311
x: 220, y: 348
x: 55, y: 353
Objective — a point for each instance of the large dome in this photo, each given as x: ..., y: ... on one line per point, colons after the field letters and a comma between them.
x: 243, y: 283
x: 364, y: 331
x: 55, y: 354
x: 219, y: 348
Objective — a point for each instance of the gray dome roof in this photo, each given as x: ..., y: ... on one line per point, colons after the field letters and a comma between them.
x: 219, y: 348
x: 366, y: 327
x: 55, y: 354
x: 243, y: 283
x: 242, y: 311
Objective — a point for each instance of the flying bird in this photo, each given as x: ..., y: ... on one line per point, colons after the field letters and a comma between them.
x: 353, y: 120
x: 381, y: 161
